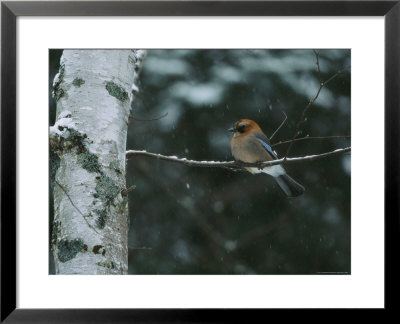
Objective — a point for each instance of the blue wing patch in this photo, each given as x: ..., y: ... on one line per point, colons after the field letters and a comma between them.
x: 268, y: 148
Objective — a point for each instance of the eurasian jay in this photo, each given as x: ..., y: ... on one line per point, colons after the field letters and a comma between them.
x: 249, y: 144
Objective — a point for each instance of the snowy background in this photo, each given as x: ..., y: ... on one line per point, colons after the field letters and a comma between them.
x: 186, y: 220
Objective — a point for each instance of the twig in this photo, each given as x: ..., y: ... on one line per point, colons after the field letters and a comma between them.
x: 318, y: 68
x: 334, y: 76
x: 308, y: 138
x: 280, y: 126
x: 127, y: 190
x: 322, y: 84
x: 150, y: 119
x: 235, y: 165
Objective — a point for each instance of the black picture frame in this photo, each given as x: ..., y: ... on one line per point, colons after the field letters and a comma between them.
x: 11, y: 10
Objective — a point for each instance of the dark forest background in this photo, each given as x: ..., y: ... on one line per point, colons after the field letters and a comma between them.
x: 187, y: 220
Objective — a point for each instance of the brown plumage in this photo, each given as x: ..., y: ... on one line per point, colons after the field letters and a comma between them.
x: 250, y: 144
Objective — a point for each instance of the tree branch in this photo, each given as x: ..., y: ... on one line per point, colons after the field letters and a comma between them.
x: 235, y: 165
x: 150, y: 119
x: 322, y: 84
x: 308, y: 138
x: 316, y: 53
x: 280, y: 126
x: 241, y: 166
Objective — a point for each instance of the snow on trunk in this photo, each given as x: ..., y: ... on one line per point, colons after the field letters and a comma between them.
x: 93, y: 90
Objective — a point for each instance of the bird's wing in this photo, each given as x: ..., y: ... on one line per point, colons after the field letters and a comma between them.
x: 264, y: 141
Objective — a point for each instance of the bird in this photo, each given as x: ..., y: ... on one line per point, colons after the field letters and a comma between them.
x: 249, y: 144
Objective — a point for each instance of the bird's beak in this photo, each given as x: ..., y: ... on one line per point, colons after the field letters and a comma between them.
x: 231, y: 130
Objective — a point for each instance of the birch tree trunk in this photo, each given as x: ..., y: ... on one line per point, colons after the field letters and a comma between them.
x: 93, y: 90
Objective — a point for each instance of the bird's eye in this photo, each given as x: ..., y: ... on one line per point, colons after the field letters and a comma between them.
x: 241, y: 128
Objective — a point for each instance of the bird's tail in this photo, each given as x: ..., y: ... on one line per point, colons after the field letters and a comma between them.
x: 289, y: 186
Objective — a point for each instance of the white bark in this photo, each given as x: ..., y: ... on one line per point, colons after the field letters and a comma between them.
x: 94, y: 90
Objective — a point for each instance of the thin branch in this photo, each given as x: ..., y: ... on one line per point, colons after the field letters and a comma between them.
x: 127, y: 190
x: 280, y: 126
x: 229, y: 165
x: 150, y: 119
x: 317, y: 63
x: 308, y: 138
x: 322, y: 84
x: 334, y: 76
x: 235, y: 165
x: 139, y: 96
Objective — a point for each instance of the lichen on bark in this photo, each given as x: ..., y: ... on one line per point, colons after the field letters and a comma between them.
x: 89, y: 138
x: 107, y: 189
x: 78, y: 82
x: 116, y: 91
x: 101, y: 217
x: 67, y: 250
x: 89, y: 161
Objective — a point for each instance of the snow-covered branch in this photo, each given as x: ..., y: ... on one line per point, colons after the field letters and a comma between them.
x: 235, y: 165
